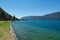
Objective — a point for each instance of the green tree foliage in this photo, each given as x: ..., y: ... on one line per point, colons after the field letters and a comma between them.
x: 5, y: 16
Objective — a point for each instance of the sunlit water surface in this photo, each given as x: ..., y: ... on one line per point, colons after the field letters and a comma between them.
x: 37, y: 29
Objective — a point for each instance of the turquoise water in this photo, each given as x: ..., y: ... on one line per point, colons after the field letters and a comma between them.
x: 37, y: 29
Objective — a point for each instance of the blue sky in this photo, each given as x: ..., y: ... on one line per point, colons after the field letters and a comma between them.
x: 21, y: 8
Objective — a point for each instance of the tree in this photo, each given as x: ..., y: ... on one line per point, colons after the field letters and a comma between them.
x: 14, y: 17
x: 2, y: 16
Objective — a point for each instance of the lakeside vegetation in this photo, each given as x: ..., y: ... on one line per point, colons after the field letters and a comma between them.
x: 5, y: 31
x: 4, y: 16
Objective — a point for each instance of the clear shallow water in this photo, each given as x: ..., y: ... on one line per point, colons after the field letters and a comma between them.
x: 37, y: 29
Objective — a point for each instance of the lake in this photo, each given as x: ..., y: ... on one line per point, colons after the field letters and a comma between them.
x: 37, y: 29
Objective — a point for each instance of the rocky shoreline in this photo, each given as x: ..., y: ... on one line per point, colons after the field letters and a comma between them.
x: 13, y: 33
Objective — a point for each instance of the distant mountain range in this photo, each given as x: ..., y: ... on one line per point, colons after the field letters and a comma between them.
x: 52, y: 16
x: 5, y: 16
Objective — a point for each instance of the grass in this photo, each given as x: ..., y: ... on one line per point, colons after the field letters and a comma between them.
x: 5, y: 31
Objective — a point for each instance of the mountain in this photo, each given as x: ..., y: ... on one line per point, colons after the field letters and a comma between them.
x: 5, y: 16
x: 52, y: 16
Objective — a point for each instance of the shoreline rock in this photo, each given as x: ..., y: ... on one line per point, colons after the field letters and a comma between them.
x: 13, y: 33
